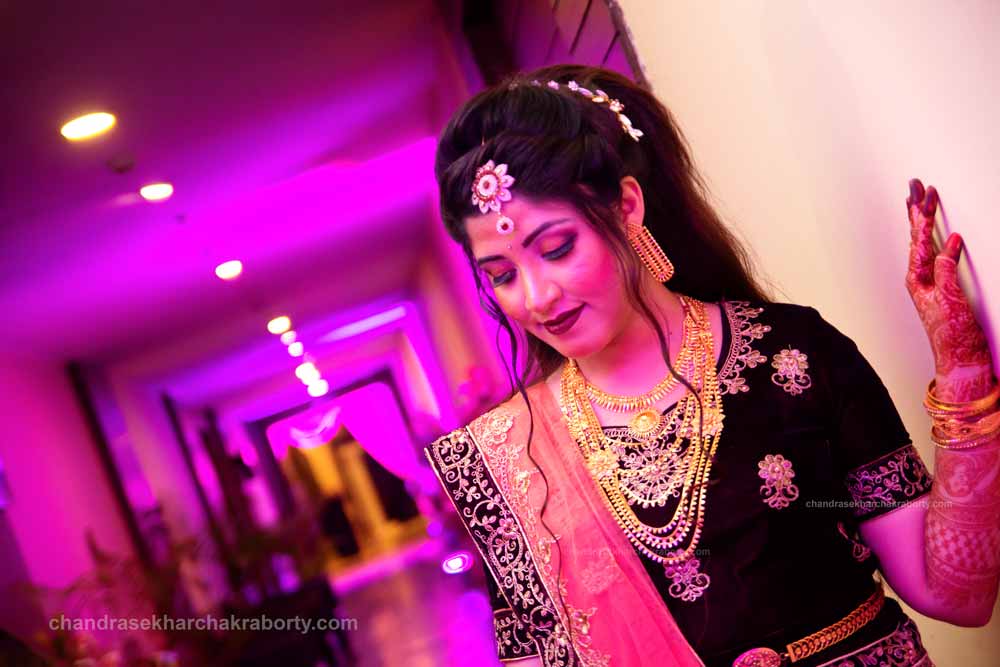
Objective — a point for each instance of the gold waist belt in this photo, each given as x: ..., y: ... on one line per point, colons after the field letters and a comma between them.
x: 817, y: 641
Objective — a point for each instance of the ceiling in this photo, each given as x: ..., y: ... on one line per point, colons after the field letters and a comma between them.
x: 298, y: 137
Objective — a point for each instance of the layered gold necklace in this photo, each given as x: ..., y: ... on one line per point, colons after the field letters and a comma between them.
x: 657, y: 464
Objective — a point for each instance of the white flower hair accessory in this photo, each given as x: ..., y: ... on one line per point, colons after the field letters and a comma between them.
x: 600, y: 97
x: 490, y: 190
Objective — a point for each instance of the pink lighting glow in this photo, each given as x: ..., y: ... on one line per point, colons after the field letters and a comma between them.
x: 367, y: 324
x: 313, y: 434
x: 457, y: 563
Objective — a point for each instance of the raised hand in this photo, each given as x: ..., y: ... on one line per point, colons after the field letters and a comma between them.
x: 961, y: 354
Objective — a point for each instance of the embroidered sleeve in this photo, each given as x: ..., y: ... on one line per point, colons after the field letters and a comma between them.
x: 872, y: 452
x: 513, y: 640
x: 887, y: 483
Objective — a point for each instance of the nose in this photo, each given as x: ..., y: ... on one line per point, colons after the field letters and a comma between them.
x: 540, y: 294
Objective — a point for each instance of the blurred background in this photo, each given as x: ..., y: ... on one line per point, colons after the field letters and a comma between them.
x: 234, y: 318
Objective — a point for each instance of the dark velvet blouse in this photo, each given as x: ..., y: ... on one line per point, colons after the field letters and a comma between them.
x: 812, y: 445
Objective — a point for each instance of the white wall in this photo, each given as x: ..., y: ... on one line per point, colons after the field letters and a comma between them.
x: 808, y: 119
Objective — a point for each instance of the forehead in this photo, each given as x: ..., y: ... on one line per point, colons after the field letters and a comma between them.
x: 527, y: 215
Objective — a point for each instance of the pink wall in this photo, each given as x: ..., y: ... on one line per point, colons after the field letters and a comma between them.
x: 58, y: 488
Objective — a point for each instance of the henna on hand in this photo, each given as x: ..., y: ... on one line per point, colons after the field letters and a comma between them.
x: 963, y: 527
x: 961, y: 352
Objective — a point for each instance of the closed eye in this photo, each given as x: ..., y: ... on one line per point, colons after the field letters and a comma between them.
x: 503, y: 278
x: 561, y: 250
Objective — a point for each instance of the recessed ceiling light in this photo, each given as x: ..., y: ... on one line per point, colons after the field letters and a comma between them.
x: 156, y: 191
x: 87, y: 126
x: 229, y: 270
x: 318, y: 388
x: 295, y: 349
x: 307, y: 372
x: 279, y: 325
x: 288, y: 337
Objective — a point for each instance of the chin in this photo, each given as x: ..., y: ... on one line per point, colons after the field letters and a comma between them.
x: 575, y: 349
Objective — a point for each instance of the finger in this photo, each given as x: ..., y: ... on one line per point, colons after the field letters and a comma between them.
x: 921, y: 262
x: 946, y: 268
x: 930, y: 203
x: 916, y: 193
x: 953, y: 247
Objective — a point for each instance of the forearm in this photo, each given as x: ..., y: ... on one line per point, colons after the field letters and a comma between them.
x: 962, y: 530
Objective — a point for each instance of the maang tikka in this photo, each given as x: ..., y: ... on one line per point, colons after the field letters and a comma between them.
x: 490, y: 190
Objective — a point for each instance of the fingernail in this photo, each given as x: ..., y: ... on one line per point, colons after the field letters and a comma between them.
x: 953, y: 244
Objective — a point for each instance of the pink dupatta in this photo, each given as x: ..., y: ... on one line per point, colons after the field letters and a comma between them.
x: 610, y: 613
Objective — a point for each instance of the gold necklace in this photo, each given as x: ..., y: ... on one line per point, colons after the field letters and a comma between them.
x: 675, y: 473
x: 647, y: 422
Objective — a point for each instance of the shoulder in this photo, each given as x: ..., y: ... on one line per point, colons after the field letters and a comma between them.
x: 771, y: 313
x: 778, y: 323
x: 781, y: 340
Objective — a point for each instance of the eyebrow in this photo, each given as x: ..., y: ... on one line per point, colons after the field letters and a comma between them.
x: 528, y: 240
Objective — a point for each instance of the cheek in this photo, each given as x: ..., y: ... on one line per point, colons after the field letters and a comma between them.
x: 511, y: 301
x: 596, y: 279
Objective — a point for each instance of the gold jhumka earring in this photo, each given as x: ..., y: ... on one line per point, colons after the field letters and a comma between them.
x: 650, y: 252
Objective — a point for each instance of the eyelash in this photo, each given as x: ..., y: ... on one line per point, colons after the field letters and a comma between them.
x: 552, y: 255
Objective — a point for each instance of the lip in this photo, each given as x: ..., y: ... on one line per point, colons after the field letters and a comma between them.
x: 560, y: 325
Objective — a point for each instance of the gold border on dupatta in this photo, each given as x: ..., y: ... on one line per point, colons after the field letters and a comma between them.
x: 472, y: 486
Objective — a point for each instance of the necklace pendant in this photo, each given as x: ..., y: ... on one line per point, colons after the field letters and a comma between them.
x: 644, y: 423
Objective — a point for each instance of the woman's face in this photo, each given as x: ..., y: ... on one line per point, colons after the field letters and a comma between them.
x: 553, y: 275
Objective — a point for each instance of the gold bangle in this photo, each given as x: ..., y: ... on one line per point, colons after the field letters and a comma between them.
x: 938, y: 408
x: 973, y: 439
x: 968, y: 428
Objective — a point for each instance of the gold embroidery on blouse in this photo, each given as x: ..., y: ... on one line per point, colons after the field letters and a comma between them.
x: 778, y: 489
x: 741, y: 353
x: 791, y: 373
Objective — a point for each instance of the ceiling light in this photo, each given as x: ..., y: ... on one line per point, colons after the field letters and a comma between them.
x: 156, y: 191
x: 279, y: 325
x: 307, y: 372
x: 288, y: 337
x: 88, y: 126
x: 229, y: 270
x: 318, y: 388
x: 295, y: 349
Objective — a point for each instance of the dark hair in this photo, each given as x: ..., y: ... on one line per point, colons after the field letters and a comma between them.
x: 562, y: 146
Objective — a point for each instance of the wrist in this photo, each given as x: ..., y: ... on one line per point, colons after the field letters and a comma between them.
x: 965, y: 383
